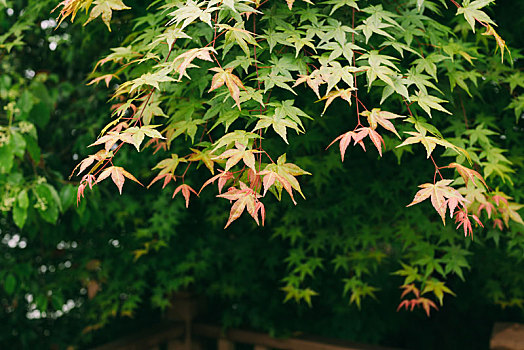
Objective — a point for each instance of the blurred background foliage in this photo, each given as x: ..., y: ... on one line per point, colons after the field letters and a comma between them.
x: 80, y: 275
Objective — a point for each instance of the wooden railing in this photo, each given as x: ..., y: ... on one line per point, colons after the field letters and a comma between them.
x: 173, y: 336
x: 179, y: 332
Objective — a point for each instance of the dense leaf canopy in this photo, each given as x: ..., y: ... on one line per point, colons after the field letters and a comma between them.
x: 364, y: 156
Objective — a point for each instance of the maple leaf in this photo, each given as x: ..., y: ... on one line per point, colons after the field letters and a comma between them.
x: 438, y: 193
x: 238, y: 35
x: 288, y: 171
x: 314, y: 80
x: 133, y: 136
x: 279, y: 123
x: 345, y: 140
x: 429, y: 142
x: 118, y: 175
x: 291, y: 2
x: 467, y: 174
x: 269, y: 178
x: 88, y: 179
x: 189, y: 12
x: 168, y: 167
x: 376, y: 117
x: 183, y: 61
x: 488, y: 207
x: 438, y: 288
x: 501, y: 44
x: 344, y: 94
x: 427, y: 304
x: 373, y: 135
x: 237, y: 136
x: 203, y: 156
x: 462, y: 218
x: 105, y: 8
x: 472, y: 12
x: 409, y: 288
x: 222, y: 178
x: 69, y: 7
x: 234, y: 155
x: 84, y: 164
x: 138, y: 134
x: 245, y: 198
x: 106, y: 78
x: 186, y: 192
x: 428, y: 102
x: 80, y: 193
x: 232, y: 82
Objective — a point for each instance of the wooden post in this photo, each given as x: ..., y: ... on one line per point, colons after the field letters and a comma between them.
x: 224, y: 344
x: 260, y: 347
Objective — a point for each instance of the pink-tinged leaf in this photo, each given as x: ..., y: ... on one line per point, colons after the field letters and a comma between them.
x: 89, y: 179
x: 84, y: 164
x: 467, y: 174
x: 253, y: 178
x: 245, y: 198
x: 427, y: 304
x: 167, y: 178
x: 345, y: 140
x: 497, y: 198
x: 80, y: 193
x: 260, y: 207
x: 269, y: 179
x: 222, y: 178
x: 452, y: 203
x: 463, y: 220
x: 438, y: 193
x: 106, y: 78
x: 232, y: 82
x: 377, y: 140
x: 119, y: 179
x: 498, y: 223
x: 118, y: 175
x: 409, y: 288
x: 477, y: 220
x: 186, y: 192
x: 488, y: 207
x: 238, y: 153
x: 377, y: 117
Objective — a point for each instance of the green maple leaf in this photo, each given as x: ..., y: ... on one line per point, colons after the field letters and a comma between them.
x: 238, y: 136
x: 105, y: 8
x: 429, y: 142
x: 278, y: 123
x: 339, y: 3
x: 203, y: 156
x: 428, y: 102
x: 237, y: 35
x: 472, y: 12
x: 188, y: 127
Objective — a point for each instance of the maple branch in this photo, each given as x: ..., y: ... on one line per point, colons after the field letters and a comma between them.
x: 436, y: 170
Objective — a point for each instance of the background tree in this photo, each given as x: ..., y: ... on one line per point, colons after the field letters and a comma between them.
x: 385, y: 75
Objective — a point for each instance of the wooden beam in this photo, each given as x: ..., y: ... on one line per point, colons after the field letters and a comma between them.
x: 224, y: 344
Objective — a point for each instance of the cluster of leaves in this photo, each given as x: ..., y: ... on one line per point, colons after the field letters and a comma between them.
x: 221, y: 84
x: 253, y: 74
